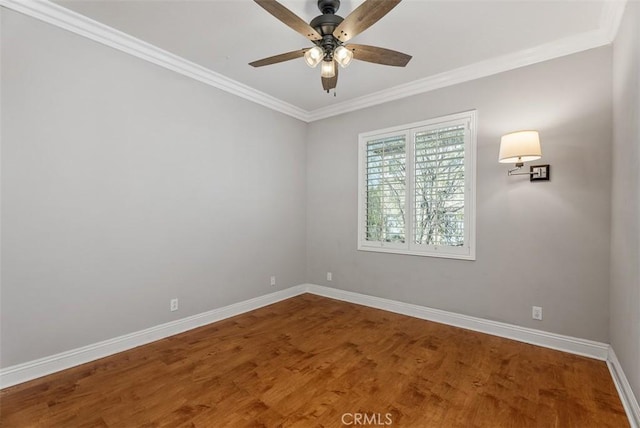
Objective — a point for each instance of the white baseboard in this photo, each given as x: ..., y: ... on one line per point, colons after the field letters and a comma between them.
x: 34, y: 369
x: 627, y: 397
x: 573, y: 345
x: 41, y: 367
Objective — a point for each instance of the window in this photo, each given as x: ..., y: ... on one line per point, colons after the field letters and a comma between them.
x: 417, y: 188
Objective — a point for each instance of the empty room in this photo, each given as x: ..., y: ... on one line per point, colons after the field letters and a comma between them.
x: 319, y: 213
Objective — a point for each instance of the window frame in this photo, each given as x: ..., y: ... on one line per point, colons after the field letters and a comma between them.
x: 465, y: 252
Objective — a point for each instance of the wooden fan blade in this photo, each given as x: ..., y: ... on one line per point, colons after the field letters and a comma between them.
x: 289, y: 18
x: 363, y: 17
x: 279, y: 58
x: 379, y: 55
x: 329, y: 83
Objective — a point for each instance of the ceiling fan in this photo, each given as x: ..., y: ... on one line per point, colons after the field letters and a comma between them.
x: 329, y: 33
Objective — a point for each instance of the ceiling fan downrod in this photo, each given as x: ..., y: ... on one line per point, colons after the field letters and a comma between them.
x: 328, y: 6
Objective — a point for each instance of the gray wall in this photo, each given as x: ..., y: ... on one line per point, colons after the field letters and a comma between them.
x: 544, y: 243
x: 125, y: 185
x: 625, y: 202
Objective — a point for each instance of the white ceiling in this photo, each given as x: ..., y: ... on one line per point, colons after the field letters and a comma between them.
x: 442, y: 36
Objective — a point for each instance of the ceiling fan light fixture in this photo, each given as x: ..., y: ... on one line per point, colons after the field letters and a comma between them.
x: 328, y: 69
x: 343, y: 56
x: 313, y: 56
x: 329, y: 32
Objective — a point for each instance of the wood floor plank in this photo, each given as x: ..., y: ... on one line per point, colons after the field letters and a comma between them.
x: 311, y: 361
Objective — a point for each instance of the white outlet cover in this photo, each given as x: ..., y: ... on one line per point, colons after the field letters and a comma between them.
x: 536, y: 313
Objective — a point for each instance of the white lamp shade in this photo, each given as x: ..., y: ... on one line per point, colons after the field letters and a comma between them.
x: 521, y: 146
x: 343, y: 56
x: 313, y: 56
x: 328, y: 69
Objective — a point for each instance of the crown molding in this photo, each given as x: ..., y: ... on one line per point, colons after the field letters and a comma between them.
x: 478, y: 70
x: 45, y: 10
x: 610, y: 18
x: 67, y: 19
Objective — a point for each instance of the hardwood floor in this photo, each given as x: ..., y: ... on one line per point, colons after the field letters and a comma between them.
x: 311, y: 361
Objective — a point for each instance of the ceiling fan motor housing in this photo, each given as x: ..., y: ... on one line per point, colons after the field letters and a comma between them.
x: 326, y: 23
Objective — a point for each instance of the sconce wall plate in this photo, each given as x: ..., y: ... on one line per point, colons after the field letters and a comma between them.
x: 539, y: 172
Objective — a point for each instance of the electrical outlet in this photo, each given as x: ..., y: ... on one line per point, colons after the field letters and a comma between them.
x: 273, y: 280
x: 329, y: 276
x: 536, y: 313
x: 173, y: 305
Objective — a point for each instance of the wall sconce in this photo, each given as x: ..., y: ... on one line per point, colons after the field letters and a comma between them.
x: 520, y: 147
